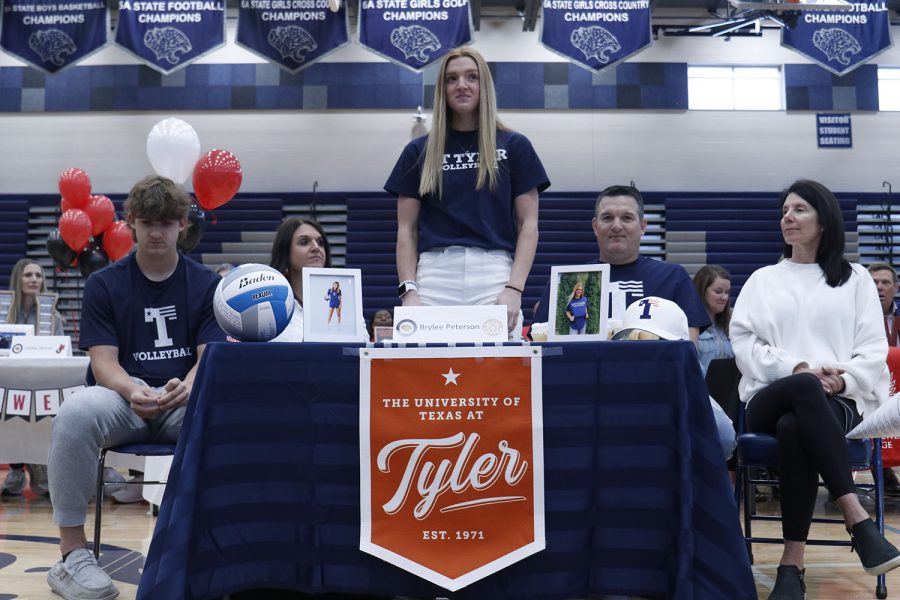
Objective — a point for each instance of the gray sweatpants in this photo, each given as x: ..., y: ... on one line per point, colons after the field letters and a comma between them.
x: 93, y: 418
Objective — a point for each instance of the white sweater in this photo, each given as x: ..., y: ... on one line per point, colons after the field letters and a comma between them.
x: 787, y: 314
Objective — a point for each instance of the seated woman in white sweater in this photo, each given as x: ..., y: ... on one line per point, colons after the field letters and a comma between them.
x: 809, y: 340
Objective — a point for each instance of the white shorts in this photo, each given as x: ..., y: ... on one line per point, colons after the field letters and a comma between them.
x: 461, y: 276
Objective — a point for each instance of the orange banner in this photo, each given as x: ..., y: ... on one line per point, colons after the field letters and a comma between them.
x: 451, y: 459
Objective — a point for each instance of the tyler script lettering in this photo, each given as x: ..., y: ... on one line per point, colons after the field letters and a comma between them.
x: 433, y: 480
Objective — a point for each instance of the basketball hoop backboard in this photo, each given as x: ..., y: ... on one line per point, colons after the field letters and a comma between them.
x: 802, y: 5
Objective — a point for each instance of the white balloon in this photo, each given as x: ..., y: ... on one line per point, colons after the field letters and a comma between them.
x: 173, y: 148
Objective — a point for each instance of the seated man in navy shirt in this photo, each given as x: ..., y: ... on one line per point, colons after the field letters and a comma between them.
x: 618, y: 224
x: 145, y: 322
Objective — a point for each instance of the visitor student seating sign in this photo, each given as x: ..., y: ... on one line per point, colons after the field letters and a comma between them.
x: 451, y: 459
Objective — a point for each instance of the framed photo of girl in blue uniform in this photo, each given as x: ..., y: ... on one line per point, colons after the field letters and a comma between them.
x: 332, y: 307
x: 579, y: 303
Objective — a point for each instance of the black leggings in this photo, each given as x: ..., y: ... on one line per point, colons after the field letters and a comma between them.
x: 810, y: 428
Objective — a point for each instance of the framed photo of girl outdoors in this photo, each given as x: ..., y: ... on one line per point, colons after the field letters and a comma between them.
x: 332, y: 307
x: 579, y: 303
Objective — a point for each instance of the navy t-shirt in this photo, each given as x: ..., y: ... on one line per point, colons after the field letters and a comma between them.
x: 464, y: 216
x: 578, y: 308
x: 639, y: 279
x: 157, y: 326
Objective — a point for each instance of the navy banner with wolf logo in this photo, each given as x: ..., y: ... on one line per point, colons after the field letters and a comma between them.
x: 170, y: 34
x: 596, y: 34
x: 291, y: 33
x: 414, y: 33
x: 51, y: 36
x: 841, y: 41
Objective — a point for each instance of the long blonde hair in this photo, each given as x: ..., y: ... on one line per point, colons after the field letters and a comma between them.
x: 15, y: 284
x: 431, y: 181
x: 578, y: 284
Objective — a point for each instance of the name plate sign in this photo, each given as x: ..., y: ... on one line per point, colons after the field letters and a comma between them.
x: 420, y: 324
x: 41, y: 346
x: 451, y: 459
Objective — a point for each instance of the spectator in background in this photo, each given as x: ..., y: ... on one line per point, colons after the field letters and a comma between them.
x: 383, y: 317
x: 298, y: 243
x: 713, y: 285
x: 467, y: 199
x: 146, y: 320
x: 26, y: 282
x: 885, y: 277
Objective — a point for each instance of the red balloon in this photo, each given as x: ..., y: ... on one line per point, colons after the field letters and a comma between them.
x: 75, y: 229
x: 75, y: 186
x: 217, y: 178
x: 117, y: 240
x: 64, y: 205
x: 101, y: 211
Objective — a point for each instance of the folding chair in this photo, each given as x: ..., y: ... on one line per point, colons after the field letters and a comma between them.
x: 761, y: 450
x: 136, y: 449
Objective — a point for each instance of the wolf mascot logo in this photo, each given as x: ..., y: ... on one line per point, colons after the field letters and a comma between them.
x: 292, y: 42
x: 52, y: 45
x: 595, y: 42
x: 168, y: 43
x: 415, y: 42
x: 836, y: 44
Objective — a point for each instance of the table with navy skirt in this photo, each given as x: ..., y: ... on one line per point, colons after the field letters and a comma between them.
x: 264, y: 487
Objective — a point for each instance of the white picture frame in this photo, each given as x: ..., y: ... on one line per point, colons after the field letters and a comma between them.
x: 8, y: 331
x: 324, y: 322
x: 595, y: 284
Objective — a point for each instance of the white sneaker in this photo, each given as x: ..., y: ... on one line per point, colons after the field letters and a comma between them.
x: 79, y: 577
x: 38, y: 483
x: 128, y: 494
x: 14, y: 483
x: 115, y: 481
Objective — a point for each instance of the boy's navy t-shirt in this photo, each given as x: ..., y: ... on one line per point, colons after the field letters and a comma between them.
x: 157, y: 326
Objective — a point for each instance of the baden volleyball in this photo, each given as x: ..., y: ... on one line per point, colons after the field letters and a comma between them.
x: 253, y: 303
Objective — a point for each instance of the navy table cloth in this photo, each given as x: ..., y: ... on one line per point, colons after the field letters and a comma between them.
x: 264, y: 488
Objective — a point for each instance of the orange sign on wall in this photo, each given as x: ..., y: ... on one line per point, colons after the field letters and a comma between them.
x: 451, y: 459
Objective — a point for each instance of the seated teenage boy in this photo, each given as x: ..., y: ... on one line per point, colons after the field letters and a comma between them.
x: 145, y: 322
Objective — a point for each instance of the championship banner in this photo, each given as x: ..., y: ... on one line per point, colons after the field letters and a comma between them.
x: 841, y: 41
x: 414, y: 33
x: 293, y: 34
x: 451, y: 459
x: 51, y: 36
x: 168, y: 35
x: 596, y: 34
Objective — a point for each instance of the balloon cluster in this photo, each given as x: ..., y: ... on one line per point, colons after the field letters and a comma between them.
x: 173, y: 148
x: 88, y: 234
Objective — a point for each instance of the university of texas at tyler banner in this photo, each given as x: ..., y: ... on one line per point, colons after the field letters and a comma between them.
x: 840, y: 41
x: 596, y: 34
x: 53, y: 35
x: 451, y: 459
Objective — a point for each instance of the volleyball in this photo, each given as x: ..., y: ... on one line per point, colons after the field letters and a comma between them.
x: 253, y: 303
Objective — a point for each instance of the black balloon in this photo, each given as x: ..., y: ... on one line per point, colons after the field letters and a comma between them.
x: 91, y: 259
x: 59, y: 251
x: 196, y: 225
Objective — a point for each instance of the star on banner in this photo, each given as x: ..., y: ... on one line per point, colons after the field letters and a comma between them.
x: 450, y: 376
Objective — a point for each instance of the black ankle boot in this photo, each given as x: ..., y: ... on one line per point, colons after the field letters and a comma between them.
x: 876, y: 554
x: 789, y: 584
